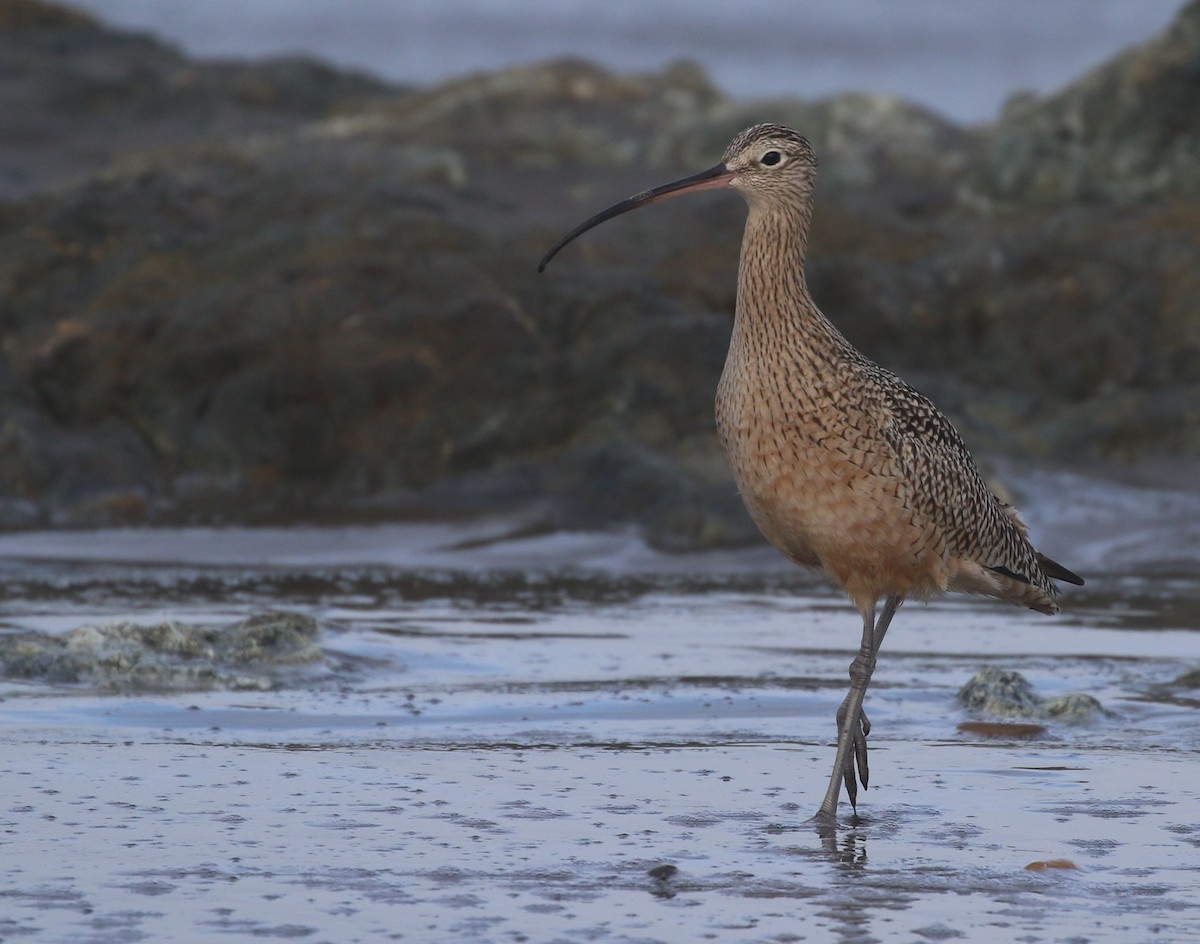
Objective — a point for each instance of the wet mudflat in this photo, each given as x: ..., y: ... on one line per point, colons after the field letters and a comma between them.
x: 570, y: 738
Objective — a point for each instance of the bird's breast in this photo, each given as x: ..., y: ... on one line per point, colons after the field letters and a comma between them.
x: 820, y: 482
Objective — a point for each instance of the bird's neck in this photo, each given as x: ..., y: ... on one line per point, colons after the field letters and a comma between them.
x: 775, y: 312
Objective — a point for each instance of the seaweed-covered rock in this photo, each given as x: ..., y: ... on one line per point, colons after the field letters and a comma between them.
x: 1002, y: 693
x: 172, y: 656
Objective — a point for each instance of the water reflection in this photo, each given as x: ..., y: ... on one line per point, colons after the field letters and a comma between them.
x: 847, y: 849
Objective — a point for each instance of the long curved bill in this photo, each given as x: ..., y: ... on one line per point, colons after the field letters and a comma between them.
x: 712, y: 179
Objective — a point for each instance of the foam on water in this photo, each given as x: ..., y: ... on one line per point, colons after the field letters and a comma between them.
x: 1099, y: 525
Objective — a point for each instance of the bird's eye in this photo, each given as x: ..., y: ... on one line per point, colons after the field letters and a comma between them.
x: 770, y: 159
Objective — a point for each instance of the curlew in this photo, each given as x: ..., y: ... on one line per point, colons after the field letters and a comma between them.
x: 843, y: 466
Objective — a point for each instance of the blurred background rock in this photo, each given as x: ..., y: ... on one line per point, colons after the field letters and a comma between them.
x: 276, y: 289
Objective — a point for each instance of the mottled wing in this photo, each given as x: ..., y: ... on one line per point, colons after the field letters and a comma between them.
x: 947, y: 490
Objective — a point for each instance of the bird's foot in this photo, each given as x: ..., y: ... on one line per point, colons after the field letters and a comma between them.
x: 856, y: 757
x: 824, y: 822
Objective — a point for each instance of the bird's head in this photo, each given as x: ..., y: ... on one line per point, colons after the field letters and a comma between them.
x: 767, y: 164
x: 771, y: 164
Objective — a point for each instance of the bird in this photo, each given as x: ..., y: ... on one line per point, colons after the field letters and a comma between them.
x: 844, y: 467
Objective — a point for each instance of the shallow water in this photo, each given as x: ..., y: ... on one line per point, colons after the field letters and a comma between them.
x: 572, y: 738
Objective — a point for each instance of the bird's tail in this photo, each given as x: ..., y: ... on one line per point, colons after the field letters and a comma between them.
x: 1057, y: 571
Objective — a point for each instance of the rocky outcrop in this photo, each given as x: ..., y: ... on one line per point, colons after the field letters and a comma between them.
x: 75, y: 97
x: 1122, y: 134
x: 319, y: 300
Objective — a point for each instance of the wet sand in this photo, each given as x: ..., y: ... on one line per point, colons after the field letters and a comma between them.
x: 571, y: 738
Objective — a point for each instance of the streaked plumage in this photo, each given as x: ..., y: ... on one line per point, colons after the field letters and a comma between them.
x: 842, y: 465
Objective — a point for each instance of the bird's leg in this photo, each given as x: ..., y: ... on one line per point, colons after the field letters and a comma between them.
x: 849, y: 724
x: 863, y: 728
x: 853, y: 725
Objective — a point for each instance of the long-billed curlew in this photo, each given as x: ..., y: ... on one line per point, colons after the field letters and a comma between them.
x: 842, y: 465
